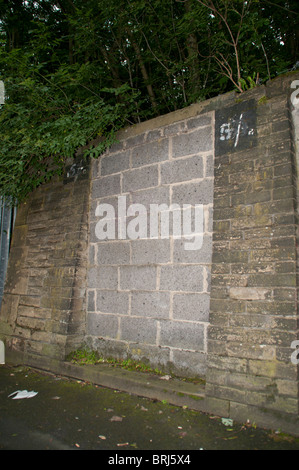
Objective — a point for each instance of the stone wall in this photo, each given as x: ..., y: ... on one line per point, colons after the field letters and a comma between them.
x: 226, y: 311
x: 253, y: 313
x: 148, y: 298
x: 43, y: 309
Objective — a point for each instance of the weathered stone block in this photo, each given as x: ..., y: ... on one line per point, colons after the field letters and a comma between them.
x: 55, y: 303
x: 102, y: 326
x: 91, y: 303
x: 115, y: 163
x: 150, y: 354
x: 112, y: 302
x: 150, y: 152
x: 9, y: 308
x: 159, y: 195
x: 247, y: 293
x: 140, y: 178
x: 182, y: 278
x: 150, y: 252
x: 150, y: 304
x: 138, y: 330
x: 31, y: 323
x: 182, y: 335
x: 182, y: 170
x: 103, y: 277
x: 116, y: 253
x: 107, y: 347
x: 194, y: 256
x: 272, y: 280
x: 138, y: 139
x: 154, y: 135
x: 194, y: 307
x: 106, y: 186
x: 138, y: 277
x: 30, y: 300
x: 172, y: 129
x: 188, y: 363
x: 193, y: 193
x: 199, y: 121
x: 19, y: 235
x: 194, y: 142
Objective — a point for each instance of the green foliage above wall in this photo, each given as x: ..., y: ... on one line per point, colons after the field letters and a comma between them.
x: 75, y: 70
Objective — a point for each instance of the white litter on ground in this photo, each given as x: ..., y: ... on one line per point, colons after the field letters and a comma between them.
x: 19, y: 394
x: 227, y: 422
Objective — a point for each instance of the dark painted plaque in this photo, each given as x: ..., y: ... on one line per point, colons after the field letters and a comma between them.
x: 77, y: 170
x: 235, y: 128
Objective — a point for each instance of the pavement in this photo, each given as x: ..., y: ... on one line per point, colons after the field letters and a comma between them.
x: 73, y: 414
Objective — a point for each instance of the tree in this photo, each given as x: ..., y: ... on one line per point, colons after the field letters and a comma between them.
x: 76, y: 71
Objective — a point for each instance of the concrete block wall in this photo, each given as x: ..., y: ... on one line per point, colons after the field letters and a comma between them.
x: 148, y: 298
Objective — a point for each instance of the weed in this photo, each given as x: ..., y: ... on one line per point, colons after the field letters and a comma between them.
x: 262, y: 100
x: 83, y: 356
x: 90, y: 357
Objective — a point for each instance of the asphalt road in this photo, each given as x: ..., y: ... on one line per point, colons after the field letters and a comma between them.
x: 73, y: 415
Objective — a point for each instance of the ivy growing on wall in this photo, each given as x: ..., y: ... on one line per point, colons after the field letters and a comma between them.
x: 76, y: 71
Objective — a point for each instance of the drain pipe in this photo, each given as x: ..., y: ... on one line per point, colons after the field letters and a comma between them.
x: 2, y: 353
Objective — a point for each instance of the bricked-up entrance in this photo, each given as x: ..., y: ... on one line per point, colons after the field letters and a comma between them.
x: 226, y: 312
x: 149, y: 298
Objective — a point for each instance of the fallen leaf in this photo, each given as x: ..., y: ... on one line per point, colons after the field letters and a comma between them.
x: 116, y: 418
x: 124, y: 444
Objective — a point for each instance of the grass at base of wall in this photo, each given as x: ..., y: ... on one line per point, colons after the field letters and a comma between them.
x: 88, y: 357
x: 83, y: 356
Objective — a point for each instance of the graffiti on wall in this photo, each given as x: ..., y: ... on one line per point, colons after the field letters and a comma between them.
x: 78, y: 169
x: 235, y: 128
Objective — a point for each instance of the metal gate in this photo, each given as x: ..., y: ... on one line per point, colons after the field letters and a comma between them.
x: 7, y: 219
